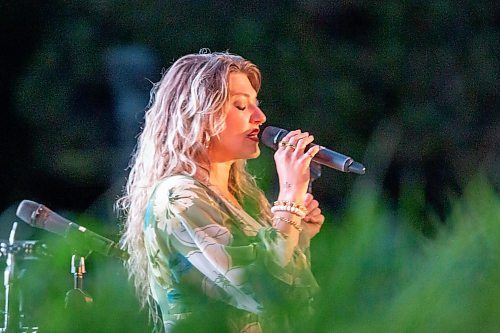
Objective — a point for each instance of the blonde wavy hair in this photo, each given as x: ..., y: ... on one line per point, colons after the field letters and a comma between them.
x: 185, y: 111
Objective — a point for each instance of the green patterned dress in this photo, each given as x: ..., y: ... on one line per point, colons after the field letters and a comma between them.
x: 206, y: 254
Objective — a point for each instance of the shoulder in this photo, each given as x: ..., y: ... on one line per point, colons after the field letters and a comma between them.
x: 177, y: 193
x: 179, y: 185
x: 177, y: 182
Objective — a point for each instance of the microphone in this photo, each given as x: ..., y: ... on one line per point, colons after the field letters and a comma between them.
x: 39, y: 216
x: 271, y: 136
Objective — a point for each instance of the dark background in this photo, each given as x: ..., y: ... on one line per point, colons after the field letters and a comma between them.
x: 408, y: 88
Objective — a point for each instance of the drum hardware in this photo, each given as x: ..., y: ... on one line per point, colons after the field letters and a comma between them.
x: 13, y: 306
x: 76, y: 300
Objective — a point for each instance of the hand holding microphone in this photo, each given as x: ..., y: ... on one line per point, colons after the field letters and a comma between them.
x: 292, y: 165
x: 293, y: 161
x: 272, y: 136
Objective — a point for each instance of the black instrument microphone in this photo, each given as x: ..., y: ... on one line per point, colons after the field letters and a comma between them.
x: 271, y: 137
x: 39, y: 216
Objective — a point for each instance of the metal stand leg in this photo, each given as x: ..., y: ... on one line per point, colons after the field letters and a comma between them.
x: 77, y: 298
x: 12, y: 304
x: 78, y: 303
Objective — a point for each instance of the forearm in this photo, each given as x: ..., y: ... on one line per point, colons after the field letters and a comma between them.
x: 287, y: 218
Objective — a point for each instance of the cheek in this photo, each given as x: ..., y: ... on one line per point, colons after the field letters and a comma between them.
x: 236, y: 119
x: 227, y: 136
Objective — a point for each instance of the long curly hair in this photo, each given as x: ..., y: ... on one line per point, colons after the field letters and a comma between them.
x: 184, y: 112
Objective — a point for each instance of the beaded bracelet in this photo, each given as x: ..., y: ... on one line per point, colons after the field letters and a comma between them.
x: 290, y: 203
x: 291, y: 222
x: 291, y: 209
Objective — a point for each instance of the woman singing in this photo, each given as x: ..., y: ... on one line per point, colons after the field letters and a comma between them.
x: 200, y: 233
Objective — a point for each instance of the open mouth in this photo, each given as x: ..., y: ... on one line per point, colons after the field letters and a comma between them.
x: 254, y: 135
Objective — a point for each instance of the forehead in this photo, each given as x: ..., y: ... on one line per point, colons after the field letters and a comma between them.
x: 239, y: 84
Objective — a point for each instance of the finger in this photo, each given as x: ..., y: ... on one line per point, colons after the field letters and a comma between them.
x: 288, y: 142
x: 311, y: 152
x: 307, y: 199
x: 293, y: 142
x: 290, y: 134
x: 319, y: 219
x: 303, y: 142
x: 314, y: 212
x: 311, y: 205
x: 295, y: 138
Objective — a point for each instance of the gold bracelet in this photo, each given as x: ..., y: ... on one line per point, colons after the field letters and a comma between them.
x: 289, y: 203
x: 291, y: 222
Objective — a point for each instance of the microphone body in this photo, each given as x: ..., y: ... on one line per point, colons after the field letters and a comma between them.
x: 271, y: 137
x: 39, y: 216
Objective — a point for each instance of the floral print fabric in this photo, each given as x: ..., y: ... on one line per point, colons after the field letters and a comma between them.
x: 202, y: 249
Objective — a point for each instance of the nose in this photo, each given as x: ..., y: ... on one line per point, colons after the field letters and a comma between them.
x: 258, y: 117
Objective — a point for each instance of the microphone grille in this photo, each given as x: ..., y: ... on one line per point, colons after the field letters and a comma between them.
x: 271, y: 136
x: 25, y: 210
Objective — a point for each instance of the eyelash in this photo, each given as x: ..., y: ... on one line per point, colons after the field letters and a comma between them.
x: 242, y: 108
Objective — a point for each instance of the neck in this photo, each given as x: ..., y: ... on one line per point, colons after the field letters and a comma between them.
x: 219, y: 175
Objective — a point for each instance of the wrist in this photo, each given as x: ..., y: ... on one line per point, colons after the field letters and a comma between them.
x: 286, y: 222
x: 291, y: 192
x: 304, y: 240
x: 289, y: 206
x: 293, y: 196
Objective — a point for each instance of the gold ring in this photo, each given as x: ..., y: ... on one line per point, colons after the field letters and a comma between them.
x: 291, y: 145
x: 283, y: 143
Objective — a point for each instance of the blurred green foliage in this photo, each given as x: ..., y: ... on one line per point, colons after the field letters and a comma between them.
x: 376, y: 271
x: 378, y: 274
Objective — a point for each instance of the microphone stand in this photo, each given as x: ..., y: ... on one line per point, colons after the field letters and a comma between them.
x: 77, y: 302
x: 13, y: 305
x: 315, y: 172
x: 77, y: 298
x: 12, y: 299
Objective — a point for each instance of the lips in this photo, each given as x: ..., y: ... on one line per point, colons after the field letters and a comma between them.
x: 254, y: 135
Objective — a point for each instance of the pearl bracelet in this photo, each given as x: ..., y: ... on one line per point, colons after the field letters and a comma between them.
x: 292, y: 209
x: 291, y: 222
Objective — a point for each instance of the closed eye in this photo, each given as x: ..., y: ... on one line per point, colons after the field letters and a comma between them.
x: 242, y: 108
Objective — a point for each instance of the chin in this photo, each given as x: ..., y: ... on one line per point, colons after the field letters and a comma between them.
x: 255, y: 154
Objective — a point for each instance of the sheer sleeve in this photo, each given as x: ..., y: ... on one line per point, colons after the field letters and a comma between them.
x: 187, y: 229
